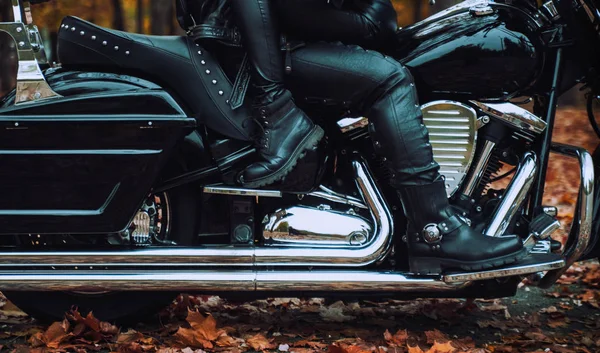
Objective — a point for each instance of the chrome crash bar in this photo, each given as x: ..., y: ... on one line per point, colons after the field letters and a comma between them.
x: 516, y: 193
x: 579, y: 235
x: 226, y: 255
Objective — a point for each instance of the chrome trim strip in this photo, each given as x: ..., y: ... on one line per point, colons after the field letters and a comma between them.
x: 516, y: 192
x: 579, y: 235
x: 226, y: 190
x: 513, y: 115
x: 333, y: 196
x: 215, y: 281
x: 371, y: 252
x: 508, y: 271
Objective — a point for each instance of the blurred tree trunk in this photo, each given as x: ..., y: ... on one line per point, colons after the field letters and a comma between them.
x: 418, y: 8
x: 118, y: 19
x: 161, y: 16
x: 140, y: 16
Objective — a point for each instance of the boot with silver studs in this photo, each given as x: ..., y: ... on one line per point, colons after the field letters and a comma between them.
x: 439, y: 240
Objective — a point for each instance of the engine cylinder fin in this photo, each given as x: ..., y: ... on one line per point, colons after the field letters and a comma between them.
x: 452, y: 130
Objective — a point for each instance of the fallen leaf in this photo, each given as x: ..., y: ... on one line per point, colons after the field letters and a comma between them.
x: 259, y: 342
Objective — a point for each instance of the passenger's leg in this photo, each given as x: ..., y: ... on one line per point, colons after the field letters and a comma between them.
x: 286, y: 132
x: 369, y: 23
x: 382, y: 89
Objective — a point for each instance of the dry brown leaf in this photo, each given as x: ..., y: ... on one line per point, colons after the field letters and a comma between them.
x: 436, y: 336
x: 259, y: 342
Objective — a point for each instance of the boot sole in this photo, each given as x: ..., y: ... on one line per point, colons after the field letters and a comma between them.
x: 309, y: 142
x: 434, y: 265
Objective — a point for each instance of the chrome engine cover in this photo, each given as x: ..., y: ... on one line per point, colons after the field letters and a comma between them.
x: 314, y: 227
x: 453, y: 135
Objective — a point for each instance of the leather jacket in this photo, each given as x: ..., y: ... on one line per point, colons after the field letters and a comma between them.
x: 213, y: 19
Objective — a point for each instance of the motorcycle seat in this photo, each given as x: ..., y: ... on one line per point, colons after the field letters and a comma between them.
x: 176, y: 62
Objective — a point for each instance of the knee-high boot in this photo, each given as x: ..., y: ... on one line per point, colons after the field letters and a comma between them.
x: 438, y: 238
x: 286, y: 132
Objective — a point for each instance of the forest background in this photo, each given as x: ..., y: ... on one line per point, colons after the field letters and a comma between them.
x: 158, y: 16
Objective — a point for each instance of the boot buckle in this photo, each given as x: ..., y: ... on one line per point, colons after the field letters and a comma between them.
x: 431, y: 233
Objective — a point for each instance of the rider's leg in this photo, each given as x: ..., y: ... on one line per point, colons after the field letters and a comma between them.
x: 368, y: 23
x: 381, y: 89
x: 286, y: 132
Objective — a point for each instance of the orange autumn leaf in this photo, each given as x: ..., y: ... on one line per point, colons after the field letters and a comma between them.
x: 398, y: 339
x: 442, y: 348
x: 203, y: 332
x: 259, y: 342
x: 53, y: 337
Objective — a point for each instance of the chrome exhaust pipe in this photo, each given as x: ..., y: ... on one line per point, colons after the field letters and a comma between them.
x: 370, y: 252
x: 224, y: 281
x: 516, y: 192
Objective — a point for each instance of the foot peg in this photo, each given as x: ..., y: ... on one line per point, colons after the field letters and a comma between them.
x: 531, y: 264
x: 540, y: 229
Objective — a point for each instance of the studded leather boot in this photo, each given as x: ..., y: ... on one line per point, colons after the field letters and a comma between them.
x: 286, y: 133
x: 440, y: 240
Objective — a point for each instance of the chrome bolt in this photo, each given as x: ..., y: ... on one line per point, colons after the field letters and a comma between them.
x: 127, y: 52
x: 214, y: 82
x: 72, y: 29
x: 221, y: 93
x: 21, y: 44
x: 19, y: 29
x: 16, y: 124
x: 199, y: 52
x: 485, y: 119
x: 82, y: 33
x: 149, y: 123
x: 203, y: 62
x: 207, y: 72
x: 478, y: 208
x: 116, y: 47
x: 104, y: 43
x: 93, y: 37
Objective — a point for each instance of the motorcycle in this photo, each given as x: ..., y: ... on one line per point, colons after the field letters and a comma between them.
x: 115, y: 196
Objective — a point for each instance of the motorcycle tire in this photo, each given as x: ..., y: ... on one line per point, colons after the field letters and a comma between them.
x: 121, y: 307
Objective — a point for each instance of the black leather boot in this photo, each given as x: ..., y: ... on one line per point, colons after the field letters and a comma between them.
x: 286, y: 131
x: 439, y: 239
x: 286, y: 134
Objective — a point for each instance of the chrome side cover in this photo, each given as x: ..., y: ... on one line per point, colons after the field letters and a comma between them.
x: 321, y: 226
x: 453, y: 135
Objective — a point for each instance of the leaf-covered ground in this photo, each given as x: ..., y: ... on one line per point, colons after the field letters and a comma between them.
x: 563, y: 319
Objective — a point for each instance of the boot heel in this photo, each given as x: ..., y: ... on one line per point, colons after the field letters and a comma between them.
x: 425, y: 266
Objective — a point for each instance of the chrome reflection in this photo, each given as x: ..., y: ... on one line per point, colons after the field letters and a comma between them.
x: 513, y: 115
x: 515, y: 195
x: 321, y: 226
x: 579, y: 235
x: 31, y: 84
x: 221, y: 281
x: 333, y: 196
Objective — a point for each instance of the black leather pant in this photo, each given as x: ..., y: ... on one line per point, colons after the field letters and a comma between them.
x: 363, y: 81
x: 369, y: 84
